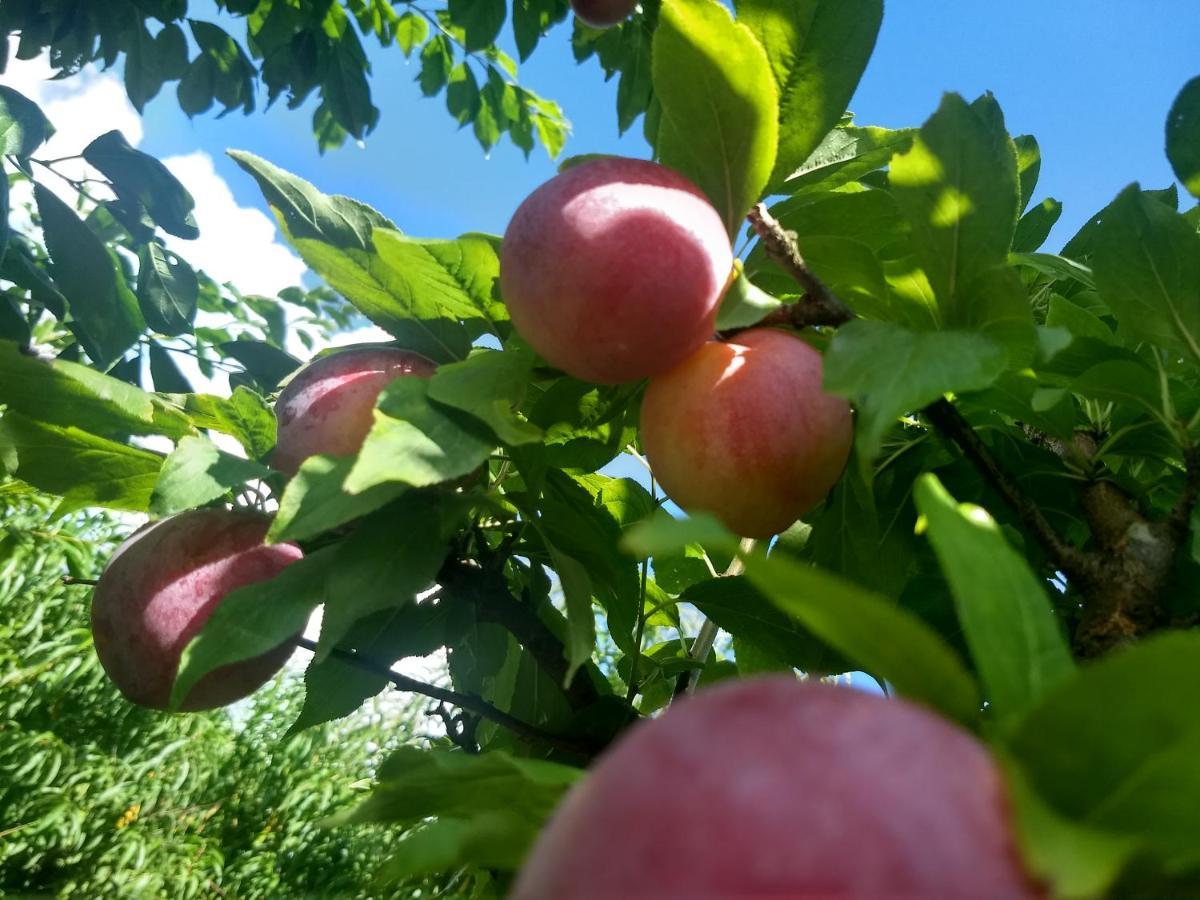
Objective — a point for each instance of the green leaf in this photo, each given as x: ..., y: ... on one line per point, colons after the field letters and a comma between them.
x: 21, y: 269
x: 531, y: 19
x: 333, y: 219
x: 393, y: 555
x: 1015, y: 640
x: 889, y: 371
x: 581, y: 621
x: 333, y: 689
x: 104, y: 312
x: 847, y: 154
x: 141, y: 179
x: 81, y: 468
x: 818, y: 50
x: 666, y: 536
x: 1062, y: 313
x: 244, y: 415
x: 265, y: 362
x: 1076, y: 860
x: 958, y: 187
x: 1146, y: 260
x: 744, y: 304
x: 256, y: 618
x: 196, y: 473
x: 488, y: 840
x: 1183, y: 136
x: 719, y: 104
x: 739, y: 609
x: 869, y: 630
x: 230, y: 72
x: 879, y: 636
x: 489, y: 385
x: 410, y: 30
x: 416, y: 784
x: 480, y: 20
x: 1034, y: 227
x: 1029, y: 166
x: 4, y: 211
x: 1113, y: 748
x: 165, y: 373
x: 585, y: 530
x: 436, y: 60
x: 315, y: 500
x: 462, y: 94
x: 67, y: 393
x: 23, y: 125
x: 437, y: 279
x: 168, y: 290
x: 416, y: 442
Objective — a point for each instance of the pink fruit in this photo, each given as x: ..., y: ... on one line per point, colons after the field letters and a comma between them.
x: 602, y: 13
x: 742, y: 429
x: 772, y: 787
x: 328, y: 407
x: 613, y: 269
x: 159, y: 589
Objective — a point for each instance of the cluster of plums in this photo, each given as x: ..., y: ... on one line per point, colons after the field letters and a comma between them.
x: 766, y: 787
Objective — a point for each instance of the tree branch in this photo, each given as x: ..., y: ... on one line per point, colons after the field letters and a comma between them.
x: 1077, y: 564
x: 468, y: 702
x: 819, y: 306
x: 487, y: 590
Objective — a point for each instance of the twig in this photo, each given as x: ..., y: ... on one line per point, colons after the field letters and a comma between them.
x: 702, y: 646
x: 70, y: 579
x: 1074, y: 562
x: 468, y: 702
x: 819, y: 306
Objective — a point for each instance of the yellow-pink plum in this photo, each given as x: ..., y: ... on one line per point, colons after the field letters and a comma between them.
x: 328, y: 407
x: 773, y: 787
x: 742, y: 429
x: 613, y: 269
x: 163, y: 584
x: 602, y: 13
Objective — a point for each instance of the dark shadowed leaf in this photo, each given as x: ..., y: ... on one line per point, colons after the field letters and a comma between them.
x: 1183, y: 136
x: 104, y: 311
x: 167, y: 290
x: 139, y: 178
x: 23, y: 125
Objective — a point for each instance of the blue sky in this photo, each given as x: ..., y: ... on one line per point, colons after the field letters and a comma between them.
x: 1092, y: 80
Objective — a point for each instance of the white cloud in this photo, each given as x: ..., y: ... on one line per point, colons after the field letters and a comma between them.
x: 237, y: 243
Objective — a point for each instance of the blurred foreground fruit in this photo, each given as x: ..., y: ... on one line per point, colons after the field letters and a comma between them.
x: 613, y: 269
x: 772, y: 787
x: 159, y: 589
x: 327, y: 407
x: 741, y: 429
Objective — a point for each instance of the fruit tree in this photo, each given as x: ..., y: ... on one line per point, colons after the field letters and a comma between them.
x: 791, y: 397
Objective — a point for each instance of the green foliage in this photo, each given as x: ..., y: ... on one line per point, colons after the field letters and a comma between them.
x: 99, y: 797
x: 484, y: 516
